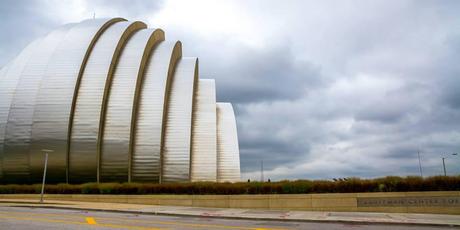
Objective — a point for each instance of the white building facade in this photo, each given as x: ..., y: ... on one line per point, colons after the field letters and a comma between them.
x: 114, y: 102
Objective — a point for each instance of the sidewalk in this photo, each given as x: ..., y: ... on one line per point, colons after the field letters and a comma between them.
x: 281, y: 215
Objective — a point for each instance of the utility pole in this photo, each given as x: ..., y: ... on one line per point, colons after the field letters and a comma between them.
x: 262, y: 170
x: 444, y: 166
x: 420, y: 164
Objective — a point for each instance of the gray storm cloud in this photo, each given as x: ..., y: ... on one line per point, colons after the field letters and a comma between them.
x: 322, y: 88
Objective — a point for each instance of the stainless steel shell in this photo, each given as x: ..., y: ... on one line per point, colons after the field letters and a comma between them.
x: 9, y: 78
x: 55, y: 99
x: 146, y: 161
x: 228, y: 156
x: 178, y: 131
x: 3, y: 72
x: 19, y: 127
x: 15, y: 162
x: 88, y: 113
x: 113, y: 102
x: 117, y: 127
x: 204, y: 154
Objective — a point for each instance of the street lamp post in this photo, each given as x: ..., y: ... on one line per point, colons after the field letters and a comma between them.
x: 444, y: 166
x: 444, y: 163
x: 454, y: 154
x: 262, y: 170
x: 420, y: 164
x: 46, y: 151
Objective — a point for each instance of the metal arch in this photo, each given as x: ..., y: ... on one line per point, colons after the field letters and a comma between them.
x: 178, y: 123
x: 136, y: 26
x: 14, y: 162
x: 3, y: 72
x: 115, y: 148
x: 228, y: 156
x: 143, y: 106
x: 147, y: 138
x: 147, y: 55
x: 56, y: 98
x: 7, y: 88
x: 85, y: 134
x: 204, y: 140
x: 77, y: 87
x: 20, y: 120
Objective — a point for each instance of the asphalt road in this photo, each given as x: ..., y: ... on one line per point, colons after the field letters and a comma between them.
x: 39, y: 218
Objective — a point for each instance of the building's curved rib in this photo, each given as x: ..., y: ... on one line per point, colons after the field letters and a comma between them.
x: 3, y: 113
x: 18, y: 131
x: 147, y: 138
x: 117, y: 128
x: 113, y: 102
x: 178, y: 124
x: 56, y: 98
x: 16, y: 122
x: 85, y: 135
x: 204, y: 155
x: 9, y: 79
x: 228, y: 156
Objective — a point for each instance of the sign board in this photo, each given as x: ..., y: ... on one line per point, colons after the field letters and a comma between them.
x: 408, y: 201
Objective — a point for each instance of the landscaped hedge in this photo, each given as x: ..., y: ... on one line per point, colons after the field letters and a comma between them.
x: 385, y: 184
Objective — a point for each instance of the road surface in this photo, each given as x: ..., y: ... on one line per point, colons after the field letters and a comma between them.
x: 40, y: 218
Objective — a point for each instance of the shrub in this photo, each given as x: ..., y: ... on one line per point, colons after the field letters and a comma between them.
x: 384, y: 184
x: 89, y: 188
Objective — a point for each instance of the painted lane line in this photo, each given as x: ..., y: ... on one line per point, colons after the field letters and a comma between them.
x: 175, y: 223
x: 90, y: 220
x: 133, y: 227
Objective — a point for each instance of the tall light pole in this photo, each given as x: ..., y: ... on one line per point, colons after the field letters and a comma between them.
x: 46, y: 151
x: 454, y: 154
x: 444, y: 163
x: 262, y: 170
x: 420, y: 164
x: 444, y: 166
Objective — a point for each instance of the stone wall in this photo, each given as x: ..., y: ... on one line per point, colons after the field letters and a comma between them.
x: 403, y: 202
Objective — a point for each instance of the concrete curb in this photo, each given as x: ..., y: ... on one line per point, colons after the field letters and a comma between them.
x: 238, y: 217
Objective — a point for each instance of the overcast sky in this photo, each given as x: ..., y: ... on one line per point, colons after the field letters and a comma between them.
x: 321, y: 89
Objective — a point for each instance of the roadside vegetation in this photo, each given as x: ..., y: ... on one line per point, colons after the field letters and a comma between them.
x: 347, y: 185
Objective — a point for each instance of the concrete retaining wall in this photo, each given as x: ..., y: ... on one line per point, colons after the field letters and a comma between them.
x: 402, y: 202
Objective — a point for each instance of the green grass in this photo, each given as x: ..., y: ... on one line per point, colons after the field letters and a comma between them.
x: 384, y: 184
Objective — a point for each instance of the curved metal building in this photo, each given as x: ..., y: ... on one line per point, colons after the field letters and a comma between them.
x: 112, y: 101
